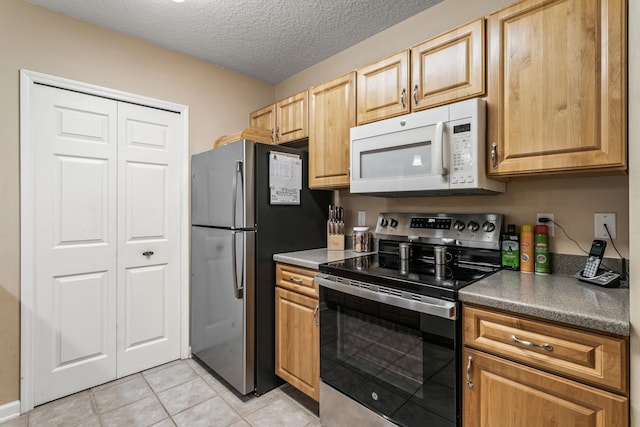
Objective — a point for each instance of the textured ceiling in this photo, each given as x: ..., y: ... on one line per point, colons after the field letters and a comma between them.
x: 269, y: 39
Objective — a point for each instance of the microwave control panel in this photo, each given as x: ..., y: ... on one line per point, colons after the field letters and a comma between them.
x: 462, y: 168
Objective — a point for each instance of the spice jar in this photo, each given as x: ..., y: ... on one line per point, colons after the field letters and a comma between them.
x: 361, y: 239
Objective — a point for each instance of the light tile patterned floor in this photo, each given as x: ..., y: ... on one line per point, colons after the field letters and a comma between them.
x: 180, y: 393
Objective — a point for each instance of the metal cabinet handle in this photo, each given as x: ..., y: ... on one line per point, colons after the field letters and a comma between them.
x: 494, y: 155
x: 469, y: 382
x: 278, y: 135
x: 415, y: 94
x: 295, y: 280
x: 272, y: 136
x: 147, y: 253
x: 315, y: 315
x: 546, y: 345
x: 402, y: 95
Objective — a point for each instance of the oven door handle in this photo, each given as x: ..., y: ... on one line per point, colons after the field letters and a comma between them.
x: 428, y: 305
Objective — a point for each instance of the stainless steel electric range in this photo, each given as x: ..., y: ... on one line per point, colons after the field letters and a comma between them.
x: 390, y: 335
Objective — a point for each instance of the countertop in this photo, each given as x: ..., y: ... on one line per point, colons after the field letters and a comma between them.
x: 554, y: 297
x: 312, y: 258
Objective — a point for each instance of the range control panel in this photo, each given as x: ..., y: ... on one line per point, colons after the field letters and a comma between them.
x: 468, y: 230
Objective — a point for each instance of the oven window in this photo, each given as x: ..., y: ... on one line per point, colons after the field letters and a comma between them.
x: 398, y: 363
x: 403, y: 160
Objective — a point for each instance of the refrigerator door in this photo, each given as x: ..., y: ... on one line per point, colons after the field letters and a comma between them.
x: 222, y: 303
x: 222, y: 186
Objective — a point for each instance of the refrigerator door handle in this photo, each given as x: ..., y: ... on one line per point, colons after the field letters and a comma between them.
x: 238, y: 171
x: 237, y: 287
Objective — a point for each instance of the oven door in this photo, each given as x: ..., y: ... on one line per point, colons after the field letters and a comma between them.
x: 404, y: 153
x: 398, y: 362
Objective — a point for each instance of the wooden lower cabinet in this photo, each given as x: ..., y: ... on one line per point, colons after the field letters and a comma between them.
x: 501, y: 393
x: 298, y: 341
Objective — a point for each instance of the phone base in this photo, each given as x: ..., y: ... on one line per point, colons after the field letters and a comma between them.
x: 606, y: 279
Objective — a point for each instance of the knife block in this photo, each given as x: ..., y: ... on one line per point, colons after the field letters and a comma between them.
x: 335, y: 242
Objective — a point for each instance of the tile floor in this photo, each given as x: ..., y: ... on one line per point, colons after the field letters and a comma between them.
x: 180, y: 393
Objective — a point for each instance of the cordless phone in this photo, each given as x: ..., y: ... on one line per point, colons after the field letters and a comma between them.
x: 592, y: 274
x: 595, y: 258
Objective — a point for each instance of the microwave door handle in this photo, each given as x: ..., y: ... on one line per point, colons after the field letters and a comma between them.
x: 438, y: 151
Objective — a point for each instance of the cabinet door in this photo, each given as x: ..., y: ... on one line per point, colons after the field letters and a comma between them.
x: 557, y: 87
x: 332, y: 113
x: 382, y: 88
x: 506, y: 394
x: 291, y: 118
x: 297, y: 341
x: 264, y: 118
x: 449, y: 67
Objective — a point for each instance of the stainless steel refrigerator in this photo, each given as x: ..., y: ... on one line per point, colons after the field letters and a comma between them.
x: 237, y: 226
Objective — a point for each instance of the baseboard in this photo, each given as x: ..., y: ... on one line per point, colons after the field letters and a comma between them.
x: 9, y: 411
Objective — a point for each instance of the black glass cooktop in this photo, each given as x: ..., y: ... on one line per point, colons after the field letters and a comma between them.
x: 416, y: 275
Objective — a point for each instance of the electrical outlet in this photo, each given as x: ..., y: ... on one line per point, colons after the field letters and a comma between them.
x: 362, y: 217
x: 600, y: 219
x: 550, y: 224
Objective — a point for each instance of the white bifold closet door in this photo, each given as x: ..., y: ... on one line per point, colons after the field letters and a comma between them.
x: 107, y: 286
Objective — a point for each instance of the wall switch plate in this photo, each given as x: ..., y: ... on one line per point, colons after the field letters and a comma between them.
x: 550, y: 224
x: 600, y: 219
x: 362, y: 217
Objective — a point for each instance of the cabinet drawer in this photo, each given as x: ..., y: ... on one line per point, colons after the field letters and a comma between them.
x: 586, y: 356
x: 297, y: 279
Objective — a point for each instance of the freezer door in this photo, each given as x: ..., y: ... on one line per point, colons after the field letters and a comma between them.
x: 222, y: 303
x: 222, y: 186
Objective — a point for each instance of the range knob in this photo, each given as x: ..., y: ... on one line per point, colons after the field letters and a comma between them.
x: 393, y: 223
x: 459, y: 225
x: 384, y: 222
x: 488, y: 226
x: 473, y: 226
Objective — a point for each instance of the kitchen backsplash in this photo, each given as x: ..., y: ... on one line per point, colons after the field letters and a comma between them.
x: 573, y: 201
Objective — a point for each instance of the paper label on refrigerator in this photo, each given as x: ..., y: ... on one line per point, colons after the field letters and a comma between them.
x: 285, y: 178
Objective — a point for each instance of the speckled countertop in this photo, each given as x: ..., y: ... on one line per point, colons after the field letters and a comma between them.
x: 314, y: 257
x: 555, y: 297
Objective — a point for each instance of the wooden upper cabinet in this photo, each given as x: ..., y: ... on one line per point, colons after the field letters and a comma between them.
x: 557, y: 87
x: 264, y: 118
x: 332, y: 113
x: 450, y: 67
x: 287, y: 119
x: 382, y: 88
x: 292, y: 118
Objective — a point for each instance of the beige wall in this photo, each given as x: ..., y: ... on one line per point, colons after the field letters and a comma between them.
x: 573, y: 201
x: 37, y: 39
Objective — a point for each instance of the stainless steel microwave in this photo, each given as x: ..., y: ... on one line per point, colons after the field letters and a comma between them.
x: 432, y: 152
